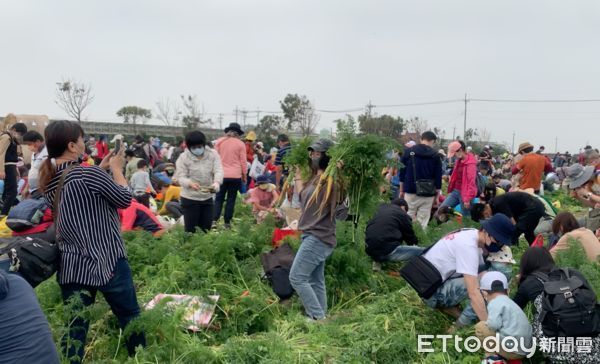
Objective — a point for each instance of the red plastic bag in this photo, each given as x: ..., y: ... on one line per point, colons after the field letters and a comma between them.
x: 538, y: 242
x: 280, y: 234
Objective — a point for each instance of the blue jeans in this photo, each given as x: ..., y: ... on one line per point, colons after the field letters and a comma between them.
x: 454, y: 199
x: 450, y: 294
x: 4, y: 265
x: 307, y: 275
x: 403, y: 253
x: 119, y: 293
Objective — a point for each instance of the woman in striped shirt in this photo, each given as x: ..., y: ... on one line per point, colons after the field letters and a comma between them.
x: 92, y: 253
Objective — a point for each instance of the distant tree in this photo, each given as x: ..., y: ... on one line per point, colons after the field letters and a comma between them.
x: 470, y: 134
x: 345, y: 126
x: 268, y: 128
x: 73, y: 97
x: 194, y: 112
x: 299, y: 114
x: 417, y: 125
x: 167, y: 111
x: 485, y: 135
x: 133, y: 114
x: 384, y: 125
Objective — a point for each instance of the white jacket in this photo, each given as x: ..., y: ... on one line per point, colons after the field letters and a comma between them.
x: 205, y: 171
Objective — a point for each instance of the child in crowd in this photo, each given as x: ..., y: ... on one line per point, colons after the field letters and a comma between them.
x: 506, y: 318
x: 140, y: 184
x: 263, y: 198
x: 502, y: 261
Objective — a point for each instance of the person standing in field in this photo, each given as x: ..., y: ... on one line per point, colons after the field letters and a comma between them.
x: 532, y: 166
x: 92, y: 252
x: 423, y: 160
x: 463, y: 181
x: 283, y: 142
x: 307, y: 275
x: 199, y: 173
x: 235, y: 168
x: 9, y: 158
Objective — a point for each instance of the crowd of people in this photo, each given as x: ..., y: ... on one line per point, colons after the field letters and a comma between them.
x: 505, y: 194
x: 84, y: 193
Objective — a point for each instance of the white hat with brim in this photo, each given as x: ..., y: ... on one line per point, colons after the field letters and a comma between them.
x: 503, y: 256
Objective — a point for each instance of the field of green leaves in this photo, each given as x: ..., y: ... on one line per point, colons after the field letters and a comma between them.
x: 374, y: 317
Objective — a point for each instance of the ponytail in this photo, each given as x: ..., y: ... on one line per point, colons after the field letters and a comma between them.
x: 47, y: 172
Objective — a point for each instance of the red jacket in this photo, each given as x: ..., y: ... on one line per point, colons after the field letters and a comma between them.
x: 249, y: 152
x: 102, y: 148
x: 464, y: 178
x: 129, y: 215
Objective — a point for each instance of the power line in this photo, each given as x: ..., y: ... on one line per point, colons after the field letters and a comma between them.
x: 535, y: 101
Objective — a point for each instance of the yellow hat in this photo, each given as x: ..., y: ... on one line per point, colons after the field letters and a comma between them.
x: 251, y: 136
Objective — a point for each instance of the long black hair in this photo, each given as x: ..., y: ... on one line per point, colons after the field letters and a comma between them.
x: 537, y: 259
x: 58, y: 136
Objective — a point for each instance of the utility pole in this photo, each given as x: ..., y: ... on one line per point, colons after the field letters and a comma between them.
x: 257, y: 116
x: 512, y: 150
x: 465, y: 121
x: 220, y: 121
x: 236, y: 111
x: 244, y: 114
x: 556, y: 145
x: 454, y: 132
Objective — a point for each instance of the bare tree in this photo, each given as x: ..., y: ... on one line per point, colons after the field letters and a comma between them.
x: 73, y: 97
x: 194, y: 112
x: 485, y: 135
x: 308, y: 120
x: 417, y: 125
x: 167, y: 111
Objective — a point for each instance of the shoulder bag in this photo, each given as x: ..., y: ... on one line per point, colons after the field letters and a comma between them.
x: 424, y: 187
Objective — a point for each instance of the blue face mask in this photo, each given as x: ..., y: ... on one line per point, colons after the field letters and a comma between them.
x: 197, y: 151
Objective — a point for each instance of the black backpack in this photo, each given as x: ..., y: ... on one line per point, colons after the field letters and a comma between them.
x: 139, y: 152
x: 569, y: 306
x: 277, y: 264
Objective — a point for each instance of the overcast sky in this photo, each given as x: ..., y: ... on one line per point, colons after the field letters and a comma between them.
x: 341, y: 54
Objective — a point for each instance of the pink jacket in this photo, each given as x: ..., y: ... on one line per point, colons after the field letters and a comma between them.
x: 233, y: 157
x: 464, y: 178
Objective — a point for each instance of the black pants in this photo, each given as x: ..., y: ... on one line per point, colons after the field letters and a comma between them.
x: 9, y: 196
x: 120, y: 295
x: 527, y: 222
x: 229, y: 188
x: 197, y: 214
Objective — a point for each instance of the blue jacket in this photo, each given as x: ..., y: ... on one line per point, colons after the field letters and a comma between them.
x: 428, y: 165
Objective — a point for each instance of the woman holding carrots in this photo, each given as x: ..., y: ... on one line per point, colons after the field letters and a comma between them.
x: 318, y: 198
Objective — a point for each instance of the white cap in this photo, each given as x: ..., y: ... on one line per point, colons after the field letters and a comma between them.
x: 116, y: 137
x: 489, y: 281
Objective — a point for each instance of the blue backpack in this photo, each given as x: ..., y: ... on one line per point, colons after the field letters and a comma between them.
x: 27, y: 214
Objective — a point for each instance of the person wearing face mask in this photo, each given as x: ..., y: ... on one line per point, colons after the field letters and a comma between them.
x: 9, y: 158
x: 92, y: 255
x: 457, y: 257
x: 307, y: 275
x: 200, y: 175
x: 263, y: 198
x: 462, y: 188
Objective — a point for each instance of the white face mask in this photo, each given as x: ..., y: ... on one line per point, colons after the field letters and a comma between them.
x: 198, y: 152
